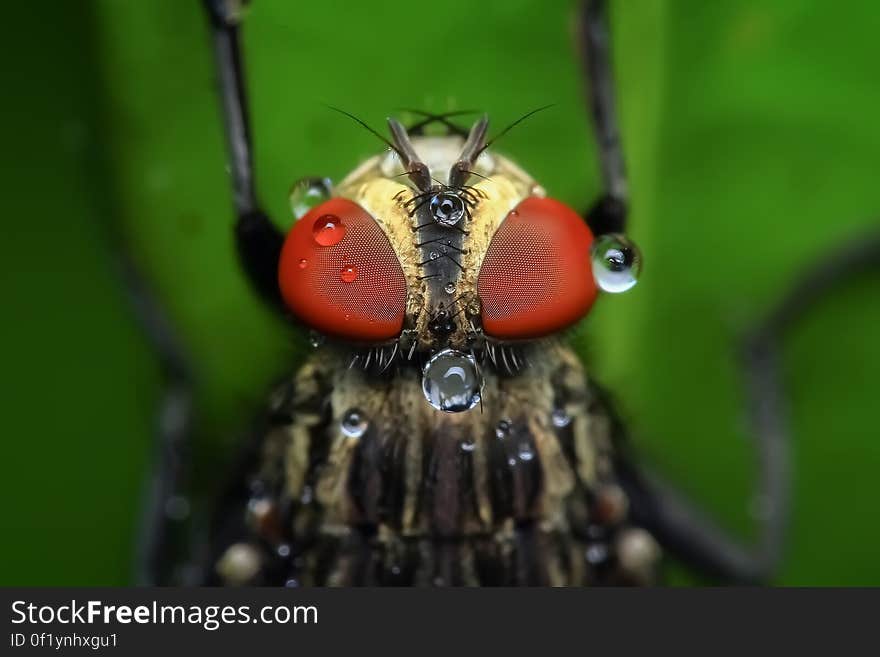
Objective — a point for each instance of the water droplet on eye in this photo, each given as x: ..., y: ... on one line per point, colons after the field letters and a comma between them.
x: 450, y: 381
x: 560, y: 418
x: 450, y: 288
x: 308, y: 193
x: 354, y: 424
x: 434, y: 255
x: 328, y: 230
x: 303, y: 263
x: 617, y: 263
x: 468, y: 445
x: 502, y: 429
x: 525, y: 452
x: 349, y: 273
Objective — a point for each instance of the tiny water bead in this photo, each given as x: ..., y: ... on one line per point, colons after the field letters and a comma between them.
x: 328, y: 230
x: 303, y: 263
x: 349, y: 273
x: 525, y: 452
x: 316, y: 339
x: 617, y: 263
x: 560, y: 418
x: 308, y: 193
x: 450, y: 288
x: 450, y: 381
x: 354, y: 424
x: 502, y: 429
x: 468, y: 445
x: 447, y: 208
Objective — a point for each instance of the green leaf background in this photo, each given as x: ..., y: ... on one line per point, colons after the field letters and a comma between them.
x: 752, y: 136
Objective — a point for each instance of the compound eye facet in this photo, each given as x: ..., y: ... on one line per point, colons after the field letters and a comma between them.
x: 536, y: 278
x: 339, y: 274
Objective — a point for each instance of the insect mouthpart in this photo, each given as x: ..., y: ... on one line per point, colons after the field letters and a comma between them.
x: 451, y: 381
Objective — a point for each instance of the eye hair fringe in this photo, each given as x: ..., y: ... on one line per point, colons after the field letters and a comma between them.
x: 505, y: 358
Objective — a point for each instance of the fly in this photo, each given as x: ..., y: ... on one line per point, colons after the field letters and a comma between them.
x: 442, y: 432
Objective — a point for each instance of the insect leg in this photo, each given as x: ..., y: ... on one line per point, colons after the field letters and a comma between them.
x: 258, y: 240
x: 160, y: 536
x: 608, y: 214
x: 680, y: 528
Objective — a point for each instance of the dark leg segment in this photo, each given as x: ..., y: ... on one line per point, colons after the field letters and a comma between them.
x: 608, y: 214
x: 161, y: 537
x: 682, y: 530
x: 259, y: 241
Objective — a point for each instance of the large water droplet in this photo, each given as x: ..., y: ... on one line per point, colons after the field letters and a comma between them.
x: 617, y: 263
x: 328, y: 230
x: 450, y: 381
x: 308, y: 193
x: 354, y: 424
x: 447, y: 208
x: 349, y: 273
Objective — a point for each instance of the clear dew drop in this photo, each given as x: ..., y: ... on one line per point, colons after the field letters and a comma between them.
x: 434, y: 255
x: 525, y: 452
x: 308, y: 193
x: 450, y: 288
x: 596, y: 553
x: 560, y: 418
x: 447, y: 208
x: 617, y: 263
x: 354, y: 424
x: 468, y: 445
x: 450, y: 381
x: 328, y: 230
x: 502, y: 429
x: 349, y: 273
x: 316, y: 339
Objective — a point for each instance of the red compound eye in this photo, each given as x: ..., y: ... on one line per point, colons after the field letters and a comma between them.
x: 339, y: 274
x: 536, y: 278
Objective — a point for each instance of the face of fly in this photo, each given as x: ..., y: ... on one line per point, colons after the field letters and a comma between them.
x: 439, y: 248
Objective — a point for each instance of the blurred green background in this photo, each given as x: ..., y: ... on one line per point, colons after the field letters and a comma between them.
x: 752, y: 134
